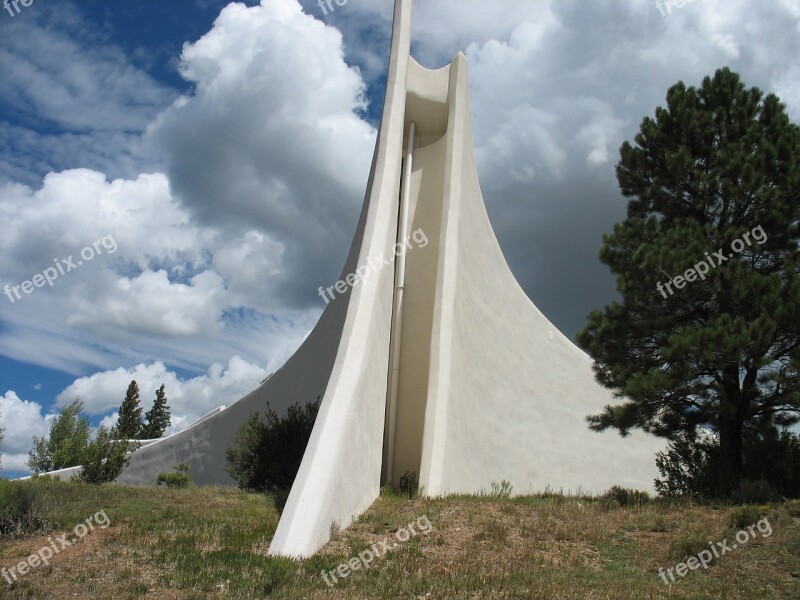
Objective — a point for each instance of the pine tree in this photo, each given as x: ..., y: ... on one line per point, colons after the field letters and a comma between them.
x: 129, y: 424
x: 158, y: 418
x: 720, y: 166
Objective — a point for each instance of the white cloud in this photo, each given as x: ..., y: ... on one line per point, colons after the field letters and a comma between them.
x: 265, y: 163
x: 266, y: 166
x: 82, y: 101
x: 21, y: 419
x: 270, y: 147
x: 188, y: 399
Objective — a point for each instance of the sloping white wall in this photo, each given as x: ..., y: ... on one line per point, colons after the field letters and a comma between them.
x: 489, y: 389
x: 339, y: 477
x: 508, y: 394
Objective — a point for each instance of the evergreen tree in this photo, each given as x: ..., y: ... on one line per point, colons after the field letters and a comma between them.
x: 66, y: 445
x: 129, y: 424
x: 158, y: 418
x: 720, y: 346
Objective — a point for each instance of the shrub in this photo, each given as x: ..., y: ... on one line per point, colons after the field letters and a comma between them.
x: 626, y: 497
x: 689, y: 544
x: 106, y: 458
x: 409, y: 484
x: 793, y: 508
x: 504, y: 489
x: 690, y: 467
x: 770, y: 466
x: 266, y: 452
x: 743, y: 516
x: 754, y: 492
x: 21, y: 504
x: 179, y: 479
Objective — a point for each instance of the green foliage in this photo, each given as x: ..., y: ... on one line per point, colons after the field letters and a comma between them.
x: 2, y: 436
x: 689, y: 543
x: 692, y: 467
x: 409, y: 484
x: 266, y: 453
x: 37, y: 478
x: 106, y: 457
x: 626, y: 497
x: 21, y: 508
x: 793, y: 508
x: 129, y: 423
x: 158, y: 418
x: 754, y: 490
x: 719, y: 162
x: 67, y: 443
x: 743, y: 516
x: 689, y: 467
x: 179, y: 479
x: 504, y: 489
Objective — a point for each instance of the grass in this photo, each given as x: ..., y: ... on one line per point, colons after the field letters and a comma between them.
x: 211, y: 543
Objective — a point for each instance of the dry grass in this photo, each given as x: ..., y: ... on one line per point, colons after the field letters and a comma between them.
x: 211, y: 543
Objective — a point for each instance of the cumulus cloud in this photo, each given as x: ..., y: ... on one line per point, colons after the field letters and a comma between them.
x: 270, y: 147
x: 243, y: 195
x: 266, y: 164
x: 189, y: 399
x: 21, y: 419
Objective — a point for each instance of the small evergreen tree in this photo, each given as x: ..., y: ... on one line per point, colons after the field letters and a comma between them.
x: 106, y: 457
x: 129, y: 424
x: 158, y: 418
x: 66, y: 444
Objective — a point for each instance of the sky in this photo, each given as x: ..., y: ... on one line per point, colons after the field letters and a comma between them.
x: 180, y: 177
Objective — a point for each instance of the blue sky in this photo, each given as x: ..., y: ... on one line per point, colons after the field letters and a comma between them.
x: 224, y: 149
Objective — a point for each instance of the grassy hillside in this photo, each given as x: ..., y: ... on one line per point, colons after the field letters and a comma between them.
x: 211, y: 543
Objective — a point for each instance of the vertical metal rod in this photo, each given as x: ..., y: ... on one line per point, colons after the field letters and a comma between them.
x: 400, y: 281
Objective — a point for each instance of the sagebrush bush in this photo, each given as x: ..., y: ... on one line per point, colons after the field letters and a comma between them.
x: 179, y: 479
x: 626, y: 497
x: 744, y: 516
x: 689, y: 544
x: 793, y: 508
x: 21, y: 508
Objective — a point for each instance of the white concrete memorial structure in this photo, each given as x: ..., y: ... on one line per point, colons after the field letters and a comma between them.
x: 440, y: 366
